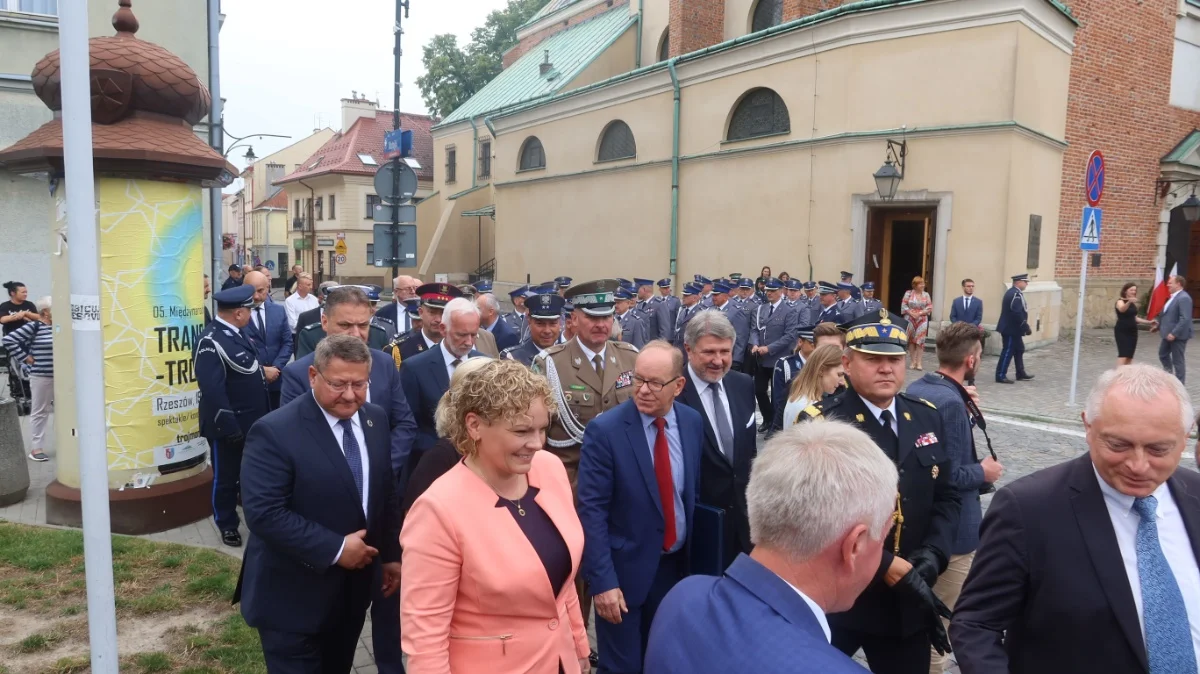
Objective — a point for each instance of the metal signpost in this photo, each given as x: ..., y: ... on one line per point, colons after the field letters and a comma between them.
x: 1089, y: 240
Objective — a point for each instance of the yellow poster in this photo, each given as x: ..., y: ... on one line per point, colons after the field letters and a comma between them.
x: 152, y: 311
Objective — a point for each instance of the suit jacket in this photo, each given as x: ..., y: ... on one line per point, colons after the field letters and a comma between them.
x: 1176, y: 318
x: 723, y: 482
x: 471, y: 576
x: 275, y: 347
x: 300, y: 501
x: 1049, y: 571
x: 307, y: 318
x: 960, y: 312
x: 776, y: 330
x: 397, y: 317
x: 385, y: 391
x: 749, y: 620
x: 619, y: 505
x: 505, y: 336
x: 424, y: 380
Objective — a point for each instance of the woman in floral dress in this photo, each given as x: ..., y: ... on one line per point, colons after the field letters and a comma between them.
x: 916, y: 307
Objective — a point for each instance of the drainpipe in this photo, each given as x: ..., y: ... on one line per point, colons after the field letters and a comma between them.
x: 487, y: 121
x: 474, y: 151
x: 674, y: 170
x: 637, y: 55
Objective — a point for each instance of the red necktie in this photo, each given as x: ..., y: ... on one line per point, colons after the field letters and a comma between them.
x: 666, y: 485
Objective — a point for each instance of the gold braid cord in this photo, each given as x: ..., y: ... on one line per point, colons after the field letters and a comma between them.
x: 898, y: 524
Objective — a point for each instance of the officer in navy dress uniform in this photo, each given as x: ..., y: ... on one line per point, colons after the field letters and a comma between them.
x: 690, y: 306
x: 897, y: 618
x: 672, y: 303
x: 545, y: 329
x: 433, y: 297
x: 1013, y: 326
x: 869, y: 304
x: 846, y: 302
x: 786, y: 369
x: 516, y: 319
x: 233, y: 395
x: 848, y: 279
x: 829, y: 311
x: 706, y: 289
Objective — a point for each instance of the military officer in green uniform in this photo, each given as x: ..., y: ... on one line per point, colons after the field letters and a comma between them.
x: 897, y: 617
x: 427, y: 329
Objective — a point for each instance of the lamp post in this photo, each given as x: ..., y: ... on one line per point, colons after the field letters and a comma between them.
x: 888, y: 177
x: 1191, y: 208
x: 250, y: 158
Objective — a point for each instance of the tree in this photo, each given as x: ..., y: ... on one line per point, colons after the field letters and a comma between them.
x: 454, y: 74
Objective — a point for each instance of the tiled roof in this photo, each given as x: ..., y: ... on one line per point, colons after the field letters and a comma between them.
x: 571, y: 51
x: 153, y: 138
x: 548, y: 9
x: 279, y: 201
x: 365, y: 136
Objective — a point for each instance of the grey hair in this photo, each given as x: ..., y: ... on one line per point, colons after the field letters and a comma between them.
x: 815, y: 481
x: 343, y: 347
x: 457, y: 306
x: 42, y: 304
x: 708, y: 323
x: 441, y: 417
x: 1143, y: 382
x: 490, y: 300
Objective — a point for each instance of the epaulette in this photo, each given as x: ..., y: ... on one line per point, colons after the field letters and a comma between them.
x: 557, y: 348
x: 505, y: 352
x: 915, y: 399
x: 625, y: 345
x: 311, y: 326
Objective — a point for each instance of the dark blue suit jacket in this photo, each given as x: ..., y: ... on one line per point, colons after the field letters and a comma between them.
x: 619, y: 505
x: 300, y: 502
x: 1013, y: 314
x: 505, y: 335
x: 960, y: 312
x: 385, y: 391
x: 425, y: 380
x: 275, y: 348
x: 748, y: 620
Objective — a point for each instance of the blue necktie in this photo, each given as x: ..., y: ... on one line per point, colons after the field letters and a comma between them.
x: 1168, y: 633
x: 350, y: 448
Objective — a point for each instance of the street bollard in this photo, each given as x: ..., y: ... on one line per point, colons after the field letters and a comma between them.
x: 14, y: 469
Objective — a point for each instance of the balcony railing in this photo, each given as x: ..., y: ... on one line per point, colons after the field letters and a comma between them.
x: 299, y: 224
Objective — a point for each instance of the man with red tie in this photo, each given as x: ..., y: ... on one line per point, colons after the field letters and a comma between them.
x: 638, y: 476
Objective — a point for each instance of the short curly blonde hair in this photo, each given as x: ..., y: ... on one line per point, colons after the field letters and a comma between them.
x: 441, y: 416
x: 497, y: 390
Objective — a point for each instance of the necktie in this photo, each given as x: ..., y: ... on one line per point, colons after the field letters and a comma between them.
x: 455, y: 363
x: 721, y: 420
x: 885, y: 420
x: 771, y: 312
x: 967, y: 303
x: 1168, y: 634
x: 598, y: 363
x: 262, y: 322
x: 666, y: 485
x: 350, y: 449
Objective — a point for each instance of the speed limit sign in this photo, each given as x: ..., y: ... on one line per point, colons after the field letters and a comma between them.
x: 341, y: 259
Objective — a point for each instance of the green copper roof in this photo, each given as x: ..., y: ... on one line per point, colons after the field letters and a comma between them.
x: 548, y: 9
x: 570, y: 52
x: 1184, y: 149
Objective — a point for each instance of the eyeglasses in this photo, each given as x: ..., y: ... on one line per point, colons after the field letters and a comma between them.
x: 655, y: 386
x: 341, y: 386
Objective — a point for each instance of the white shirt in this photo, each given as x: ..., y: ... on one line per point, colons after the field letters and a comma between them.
x: 356, y: 426
x: 449, y: 358
x: 1172, y: 298
x: 295, y: 305
x: 877, y: 411
x: 967, y: 301
x: 429, y: 343
x: 1172, y: 537
x: 818, y: 612
x: 591, y: 355
x: 702, y: 387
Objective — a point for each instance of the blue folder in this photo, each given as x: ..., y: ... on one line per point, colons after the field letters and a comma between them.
x: 708, y: 541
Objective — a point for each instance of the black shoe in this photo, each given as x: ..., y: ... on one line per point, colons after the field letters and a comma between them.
x: 1005, y: 380
x: 764, y: 427
x: 594, y: 659
x: 1024, y: 377
x: 231, y: 538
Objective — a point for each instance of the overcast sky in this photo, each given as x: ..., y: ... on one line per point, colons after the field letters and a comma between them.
x: 285, y: 64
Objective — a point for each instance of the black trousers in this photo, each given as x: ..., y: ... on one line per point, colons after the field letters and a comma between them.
x: 1012, y: 351
x: 762, y: 386
x: 623, y: 647
x: 227, y: 477
x: 385, y: 627
x: 273, y: 397
x: 886, y: 655
x: 331, y: 652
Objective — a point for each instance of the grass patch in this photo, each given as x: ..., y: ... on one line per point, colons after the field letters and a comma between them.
x: 151, y: 663
x: 73, y: 665
x: 35, y: 643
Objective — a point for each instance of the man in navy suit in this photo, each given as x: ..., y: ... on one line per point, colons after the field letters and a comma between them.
x: 491, y: 320
x: 968, y: 308
x: 821, y: 497
x: 638, y: 477
x: 426, y: 376
x: 320, y: 502
x: 269, y: 332
x: 725, y: 400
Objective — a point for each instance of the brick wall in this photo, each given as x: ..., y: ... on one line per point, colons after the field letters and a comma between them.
x: 796, y: 9
x: 1118, y: 103
x: 531, y: 41
x: 696, y: 24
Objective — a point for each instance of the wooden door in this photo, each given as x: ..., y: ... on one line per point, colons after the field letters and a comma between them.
x: 1193, y: 267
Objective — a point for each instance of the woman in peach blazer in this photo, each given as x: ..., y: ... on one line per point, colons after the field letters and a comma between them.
x: 491, y: 549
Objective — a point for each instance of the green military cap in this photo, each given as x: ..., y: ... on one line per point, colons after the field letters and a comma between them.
x: 594, y: 298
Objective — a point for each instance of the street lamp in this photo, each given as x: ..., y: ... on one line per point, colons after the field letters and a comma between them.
x: 1191, y: 208
x: 888, y: 177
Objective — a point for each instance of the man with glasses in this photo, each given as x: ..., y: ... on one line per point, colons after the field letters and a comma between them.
x: 403, y: 288
x: 636, y: 538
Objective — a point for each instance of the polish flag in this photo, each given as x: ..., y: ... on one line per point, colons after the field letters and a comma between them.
x: 1160, y: 295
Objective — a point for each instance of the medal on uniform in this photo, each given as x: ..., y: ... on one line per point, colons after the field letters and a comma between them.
x: 577, y: 361
x: 625, y: 379
x: 907, y: 416
x: 567, y: 396
x: 859, y: 418
x: 935, y: 472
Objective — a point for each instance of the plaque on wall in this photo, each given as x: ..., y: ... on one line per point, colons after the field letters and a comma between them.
x: 1034, y: 250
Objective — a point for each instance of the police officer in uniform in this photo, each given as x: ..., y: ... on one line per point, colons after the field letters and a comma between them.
x: 848, y: 279
x: 846, y: 303
x: 633, y: 328
x: 434, y: 297
x: 868, y: 304
x: 691, y: 305
x: 897, y: 617
x: 785, y: 370
x: 233, y: 395
x: 772, y: 336
x: 545, y: 329
x: 1013, y: 326
x: 829, y: 311
x: 672, y: 304
x: 516, y: 318
x: 810, y: 296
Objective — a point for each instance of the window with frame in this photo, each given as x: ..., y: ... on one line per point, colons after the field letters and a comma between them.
x: 616, y: 142
x: 319, y: 208
x: 451, y: 164
x: 767, y: 13
x: 372, y: 202
x: 47, y: 7
x: 332, y: 204
x: 299, y: 213
x: 532, y: 155
x: 485, y: 159
x: 370, y: 254
x: 761, y: 112
x: 664, y: 46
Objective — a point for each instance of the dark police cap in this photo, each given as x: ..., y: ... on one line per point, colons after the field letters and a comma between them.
x: 623, y: 293
x: 772, y: 284
x: 878, y: 332
x: 546, y: 307
x: 868, y: 286
x: 847, y: 275
x: 518, y: 292
x: 563, y: 281
x: 235, y: 297
x: 845, y: 286
x: 793, y: 284
x: 412, y: 307
x: 235, y: 267
x: 483, y: 285
x: 1020, y: 277
x: 438, y: 294
x: 721, y: 288
x: 702, y: 280
x: 810, y: 285
x: 692, y: 289
x: 826, y: 288
x: 594, y: 298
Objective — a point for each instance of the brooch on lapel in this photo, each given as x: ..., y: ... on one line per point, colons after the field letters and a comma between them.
x: 626, y: 378
x: 577, y: 361
x: 859, y: 418
x: 927, y: 439
x: 907, y: 416
x: 370, y: 424
x: 935, y: 472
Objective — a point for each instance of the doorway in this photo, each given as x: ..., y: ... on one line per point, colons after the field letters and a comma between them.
x: 900, y: 245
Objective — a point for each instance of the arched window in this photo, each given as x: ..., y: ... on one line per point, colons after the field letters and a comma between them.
x: 664, y: 46
x: 761, y: 112
x: 532, y: 155
x: 767, y: 13
x: 616, y: 142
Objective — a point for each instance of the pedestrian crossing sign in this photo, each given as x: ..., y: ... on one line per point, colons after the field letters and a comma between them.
x: 1089, y: 234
